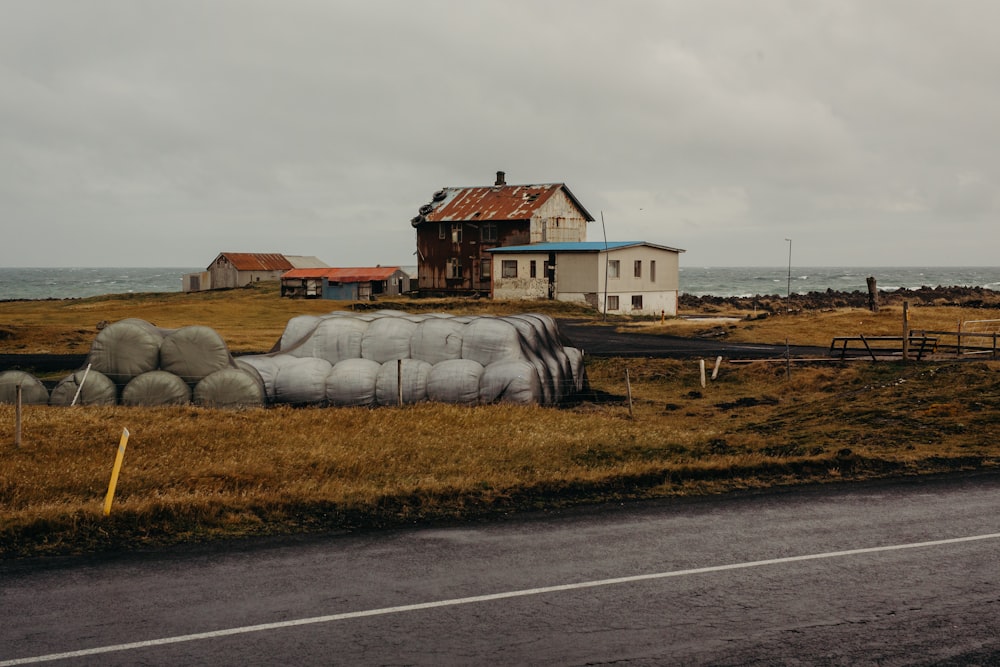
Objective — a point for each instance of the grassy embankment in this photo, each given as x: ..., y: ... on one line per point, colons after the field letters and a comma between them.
x: 195, y: 474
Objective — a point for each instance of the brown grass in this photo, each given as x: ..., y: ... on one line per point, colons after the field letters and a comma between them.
x: 816, y: 327
x: 193, y: 473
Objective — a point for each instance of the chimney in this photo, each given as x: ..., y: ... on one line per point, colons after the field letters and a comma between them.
x: 500, y: 179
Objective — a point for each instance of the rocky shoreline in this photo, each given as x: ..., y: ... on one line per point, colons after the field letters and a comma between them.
x: 966, y: 297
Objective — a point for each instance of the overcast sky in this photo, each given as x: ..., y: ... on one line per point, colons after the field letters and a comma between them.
x: 140, y: 133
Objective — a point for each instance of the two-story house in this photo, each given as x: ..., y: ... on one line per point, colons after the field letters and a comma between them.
x: 457, y: 228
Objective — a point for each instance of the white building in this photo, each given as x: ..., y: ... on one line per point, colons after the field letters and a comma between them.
x: 625, y: 277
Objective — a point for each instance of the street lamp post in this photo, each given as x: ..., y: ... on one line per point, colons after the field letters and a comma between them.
x: 789, y: 288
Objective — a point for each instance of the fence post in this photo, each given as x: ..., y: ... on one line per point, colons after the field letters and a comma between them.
x: 399, y: 380
x: 701, y: 364
x: 906, y: 330
x: 628, y: 391
x: 17, y: 416
x: 958, y: 344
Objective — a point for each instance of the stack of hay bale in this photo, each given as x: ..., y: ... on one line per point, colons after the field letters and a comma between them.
x: 341, y: 358
x: 345, y: 358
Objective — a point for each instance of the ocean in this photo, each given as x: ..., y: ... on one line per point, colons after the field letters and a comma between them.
x: 66, y: 283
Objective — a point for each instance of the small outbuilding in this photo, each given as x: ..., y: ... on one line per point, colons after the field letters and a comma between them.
x: 345, y: 284
x: 626, y: 277
x: 239, y: 269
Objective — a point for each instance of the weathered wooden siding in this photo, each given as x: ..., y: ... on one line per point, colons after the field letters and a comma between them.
x: 558, y: 220
x: 434, y: 253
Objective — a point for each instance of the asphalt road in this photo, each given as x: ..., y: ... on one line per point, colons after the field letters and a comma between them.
x: 887, y: 573
x: 601, y: 340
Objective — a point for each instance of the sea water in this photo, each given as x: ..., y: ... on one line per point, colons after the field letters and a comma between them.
x: 68, y: 283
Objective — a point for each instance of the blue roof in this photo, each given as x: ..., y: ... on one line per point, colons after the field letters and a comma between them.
x: 578, y: 246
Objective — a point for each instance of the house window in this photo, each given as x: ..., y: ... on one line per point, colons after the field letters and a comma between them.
x: 652, y: 270
x: 509, y: 268
x: 637, y: 268
x: 442, y: 232
x: 456, y: 232
x: 454, y: 268
x: 637, y: 302
x: 488, y: 232
x: 614, y: 268
x: 485, y: 269
x: 533, y: 268
x: 613, y: 302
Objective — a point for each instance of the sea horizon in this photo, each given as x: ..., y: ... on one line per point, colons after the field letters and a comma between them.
x: 724, y: 281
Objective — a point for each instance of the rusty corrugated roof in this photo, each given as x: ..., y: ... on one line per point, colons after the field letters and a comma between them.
x: 360, y: 274
x: 495, y: 204
x: 257, y: 261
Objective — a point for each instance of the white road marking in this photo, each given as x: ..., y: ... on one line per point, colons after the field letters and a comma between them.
x: 482, y: 598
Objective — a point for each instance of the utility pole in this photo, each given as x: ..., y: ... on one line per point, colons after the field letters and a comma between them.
x: 789, y: 289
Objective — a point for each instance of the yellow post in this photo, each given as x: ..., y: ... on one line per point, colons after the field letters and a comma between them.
x: 114, y: 473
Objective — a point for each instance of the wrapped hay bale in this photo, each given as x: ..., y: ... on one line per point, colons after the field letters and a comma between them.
x: 156, y: 388
x: 125, y: 349
x: 94, y: 387
x: 333, y: 339
x: 489, y: 339
x: 266, y: 366
x: 579, y: 372
x: 297, y: 330
x: 387, y: 338
x: 437, y: 339
x: 230, y: 388
x: 33, y: 392
x: 193, y: 353
x: 455, y: 381
x: 300, y: 381
x: 415, y: 373
x: 510, y: 381
x: 352, y: 382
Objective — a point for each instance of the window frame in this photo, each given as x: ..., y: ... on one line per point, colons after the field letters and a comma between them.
x: 508, y: 268
x: 614, y: 269
x: 488, y: 232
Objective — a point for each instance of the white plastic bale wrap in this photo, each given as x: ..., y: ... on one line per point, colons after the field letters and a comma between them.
x: 489, y: 339
x: 387, y: 338
x: 156, y: 388
x: 96, y: 389
x: 532, y: 352
x: 455, y: 381
x: 575, y: 357
x: 230, y: 388
x: 297, y: 330
x: 266, y: 367
x: 125, y: 349
x: 352, y: 382
x: 33, y: 392
x: 301, y: 380
x: 193, y: 353
x: 415, y: 373
x: 510, y: 381
x: 333, y: 339
x: 437, y: 339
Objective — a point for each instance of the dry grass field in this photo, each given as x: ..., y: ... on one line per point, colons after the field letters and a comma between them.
x: 196, y: 474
